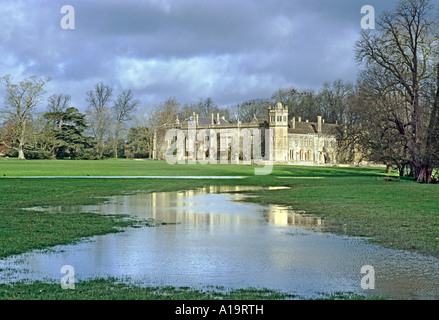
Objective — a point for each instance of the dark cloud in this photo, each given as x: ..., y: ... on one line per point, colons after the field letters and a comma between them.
x: 188, y: 49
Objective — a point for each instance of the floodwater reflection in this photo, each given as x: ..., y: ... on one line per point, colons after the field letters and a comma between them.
x: 283, y: 216
x: 213, y: 238
x: 195, y: 207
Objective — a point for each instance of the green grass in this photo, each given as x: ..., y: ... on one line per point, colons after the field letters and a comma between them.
x: 353, y: 201
x: 115, y: 289
x: 402, y: 215
x: 123, y: 167
x: 109, y: 289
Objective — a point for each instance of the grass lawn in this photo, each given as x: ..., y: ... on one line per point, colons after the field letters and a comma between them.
x: 113, y: 289
x: 352, y: 201
x: 123, y: 167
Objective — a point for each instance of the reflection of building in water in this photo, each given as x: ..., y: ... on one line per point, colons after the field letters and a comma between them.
x: 285, y: 217
x: 205, y: 207
x: 197, y: 207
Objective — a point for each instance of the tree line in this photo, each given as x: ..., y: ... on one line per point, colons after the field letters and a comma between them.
x: 389, y: 115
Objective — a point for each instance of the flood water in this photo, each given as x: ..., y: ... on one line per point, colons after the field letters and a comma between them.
x: 213, y: 239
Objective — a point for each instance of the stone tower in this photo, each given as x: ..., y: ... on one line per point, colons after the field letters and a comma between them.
x: 278, y: 120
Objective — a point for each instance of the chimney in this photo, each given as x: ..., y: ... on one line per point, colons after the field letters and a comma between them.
x: 293, y: 123
x: 319, y: 124
x: 307, y: 121
x: 217, y: 118
x: 197, y: 118
x: 300, y: 119
x: 211, y: 119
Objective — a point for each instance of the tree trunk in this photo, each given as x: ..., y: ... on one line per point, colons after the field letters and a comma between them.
x: 21, y: 153
x: 425, y: 174
x: 388, y: 168
x: 115, y: 150
x: 116, y: 139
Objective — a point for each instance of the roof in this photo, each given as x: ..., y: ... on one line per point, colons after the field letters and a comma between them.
x: 207, y: 121
x: 311, y: 128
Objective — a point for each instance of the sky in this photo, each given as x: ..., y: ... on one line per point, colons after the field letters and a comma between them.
x: 228, y: 50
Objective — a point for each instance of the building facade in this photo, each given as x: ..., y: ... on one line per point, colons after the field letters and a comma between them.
x: 290, y: 140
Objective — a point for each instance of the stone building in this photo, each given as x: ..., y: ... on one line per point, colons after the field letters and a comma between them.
x: 291, y: 140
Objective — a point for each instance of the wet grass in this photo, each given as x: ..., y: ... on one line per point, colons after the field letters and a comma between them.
x: 112, y: 289
x: 403, y: 215
x: 21, y: 231
x: 123, y: 167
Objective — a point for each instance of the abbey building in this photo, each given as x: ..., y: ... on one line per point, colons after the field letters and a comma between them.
x: 290, y: 140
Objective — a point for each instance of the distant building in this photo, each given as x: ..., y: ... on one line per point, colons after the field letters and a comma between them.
x: 293, y: 141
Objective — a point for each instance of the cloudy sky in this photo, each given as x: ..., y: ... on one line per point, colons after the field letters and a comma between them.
x: 229, y: 50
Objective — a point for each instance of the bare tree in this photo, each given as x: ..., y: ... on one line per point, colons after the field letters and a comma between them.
x: 165, y: 113
x: 58, y: 103
x: 122, y: 110
x: 372, y: 129
x: 159, y: 117
x: 248, y: 110
x: 333, y: 100
x: 302, y: 103
x: 99, y: 115
x: 405, y: 48
x: 140, y: 134
x: 21, y: 100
